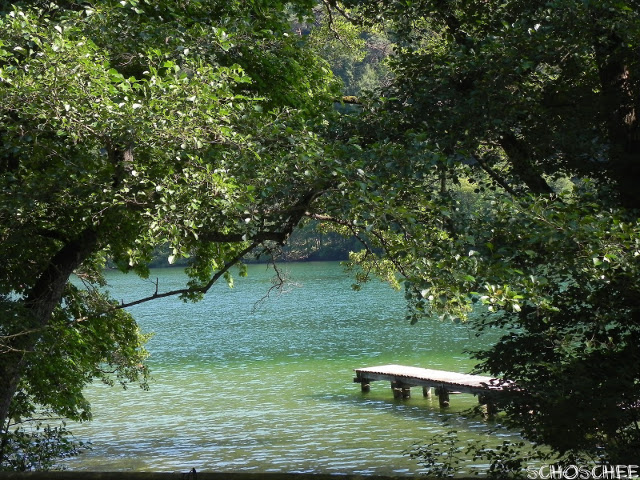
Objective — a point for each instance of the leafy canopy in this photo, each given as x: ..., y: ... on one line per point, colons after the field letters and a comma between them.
x: 125, y: 126
x: 499, y: 175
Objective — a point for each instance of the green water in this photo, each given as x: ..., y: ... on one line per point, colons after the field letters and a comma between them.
x: 244, y: 385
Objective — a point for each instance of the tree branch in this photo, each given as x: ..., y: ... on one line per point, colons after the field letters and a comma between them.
x: 203, y: 289
x: 495, y: 177
x: 334, y: 4
x: 265, y: 236
x: 350, y: 99
x: 290, y: 217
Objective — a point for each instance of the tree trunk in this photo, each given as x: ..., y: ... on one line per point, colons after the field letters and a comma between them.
x: 522, y: 166
x: 39, y: 305
x: 620, y: 110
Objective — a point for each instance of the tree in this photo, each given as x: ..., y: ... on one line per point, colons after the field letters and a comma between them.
x: 125, y: 126
x: 357, y: 55
x: 531, y: 107
x: 498, y: 167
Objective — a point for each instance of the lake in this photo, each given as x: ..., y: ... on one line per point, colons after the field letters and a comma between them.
x: 243, y: 383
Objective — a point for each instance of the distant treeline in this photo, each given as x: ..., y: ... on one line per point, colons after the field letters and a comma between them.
x: 306, y: 244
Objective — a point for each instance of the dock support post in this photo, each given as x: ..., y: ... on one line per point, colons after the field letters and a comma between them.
x: 443, y: 396
x: 396, y: 388
x: 487, y: 401
x: 400, y: 390
x: 365, y: 383
x: 426, y: 392
x: 406, y: 392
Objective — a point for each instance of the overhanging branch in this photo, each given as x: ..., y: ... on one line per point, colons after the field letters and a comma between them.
x: 292, y: 217
x: 203, y: 289
x: 286, y: 220
x: 259, y: 237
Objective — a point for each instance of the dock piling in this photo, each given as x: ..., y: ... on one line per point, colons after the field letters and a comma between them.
x: 443, y: 396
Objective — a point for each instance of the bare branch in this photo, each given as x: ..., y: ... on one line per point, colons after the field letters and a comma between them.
x: 290, y: 217
x: 5, y: 339
x: 334, y: 4
x: 279, y: 281
x: 327, y: 218
x: 265, y: 236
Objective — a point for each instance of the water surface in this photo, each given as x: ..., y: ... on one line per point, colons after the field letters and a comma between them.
x: 241, y: 384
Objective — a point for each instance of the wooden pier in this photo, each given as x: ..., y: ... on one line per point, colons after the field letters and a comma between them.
x: 402, y: 378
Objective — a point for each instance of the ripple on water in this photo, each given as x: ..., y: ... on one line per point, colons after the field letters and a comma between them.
x: 271, y: 390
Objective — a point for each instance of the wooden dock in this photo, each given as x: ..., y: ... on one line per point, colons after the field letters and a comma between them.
x: 402, y: 378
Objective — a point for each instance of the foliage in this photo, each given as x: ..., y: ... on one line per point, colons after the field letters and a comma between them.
x: 446, y: 456
x: 37, y: 447
x: 310, y: 242
x: 441, y: 457
x: 499, y: 169
x: 495, y: 165
x: 356, y: 55
x: 125, y: 126
x: 581, y: 316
